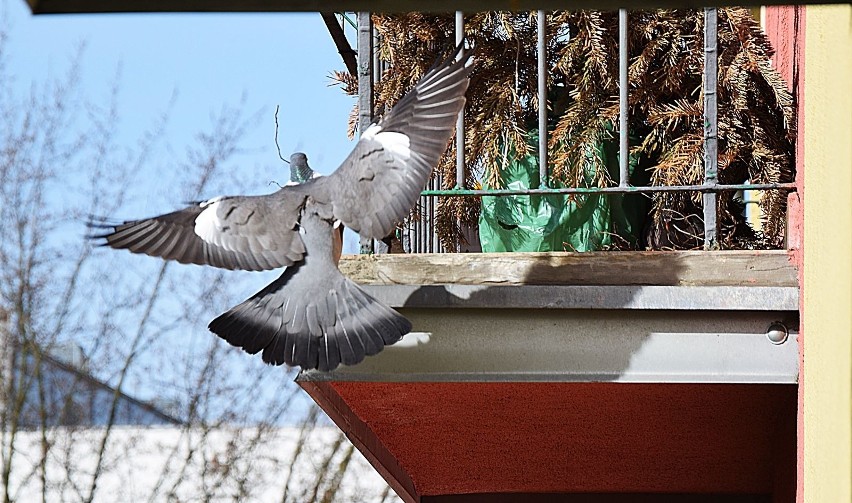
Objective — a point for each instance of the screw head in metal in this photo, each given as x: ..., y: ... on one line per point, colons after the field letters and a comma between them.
x: 777, y: 333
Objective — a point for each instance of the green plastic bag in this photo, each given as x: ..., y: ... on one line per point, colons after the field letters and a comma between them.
x: 559, y: 222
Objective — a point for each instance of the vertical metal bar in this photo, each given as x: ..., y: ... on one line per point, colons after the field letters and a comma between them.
x: 421, y: 210
x: 365, y: 71
x: 430, y: 223
x: 460, y: 167
x: 427, y: 220
x: 406, y: 235
x: 378, y: 246
x: 460, y: 178
x: 415, y: 227
x: 542, y: 100
x: 430, y: 219
x: 623, y: 141
x: 376, y: 66
x: 425, y: 232
x: 711, y: 157
x: 410, y: 231
x: 365, y: 90
x: 438, y: 182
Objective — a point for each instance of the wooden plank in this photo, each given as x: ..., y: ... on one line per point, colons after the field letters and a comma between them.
x: 688, y: 268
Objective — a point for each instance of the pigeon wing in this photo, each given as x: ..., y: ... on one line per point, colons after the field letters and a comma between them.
x: 378, y: 184
x: 253, y: 233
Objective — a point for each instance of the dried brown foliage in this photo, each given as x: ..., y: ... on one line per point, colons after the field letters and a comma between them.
x: 756, y: 134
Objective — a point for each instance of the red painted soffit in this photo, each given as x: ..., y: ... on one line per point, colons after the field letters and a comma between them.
x: 462, y: 438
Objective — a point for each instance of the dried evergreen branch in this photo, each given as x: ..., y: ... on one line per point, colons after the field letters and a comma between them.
x: 666, y: 54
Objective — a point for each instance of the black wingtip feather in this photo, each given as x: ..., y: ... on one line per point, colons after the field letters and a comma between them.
x: 99, y: 228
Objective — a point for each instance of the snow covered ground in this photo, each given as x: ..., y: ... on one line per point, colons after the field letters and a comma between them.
x: 191, y: 464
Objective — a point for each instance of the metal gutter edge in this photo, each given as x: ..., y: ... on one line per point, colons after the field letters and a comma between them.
x: 714, y: 298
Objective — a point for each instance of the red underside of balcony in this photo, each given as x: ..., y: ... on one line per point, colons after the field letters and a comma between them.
x: 433, y: 440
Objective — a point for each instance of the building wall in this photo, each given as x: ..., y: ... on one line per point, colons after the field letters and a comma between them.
x: 827, y: 278
x: 71, y: 397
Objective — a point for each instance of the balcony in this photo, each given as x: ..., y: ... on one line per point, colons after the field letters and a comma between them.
x: 734, y: 294
x: 700, y: 317
x: 568, y: 374
x: 685, y: 361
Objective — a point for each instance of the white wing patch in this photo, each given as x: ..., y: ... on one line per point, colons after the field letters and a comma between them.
x: 207, y: 224
x: 395, y: 143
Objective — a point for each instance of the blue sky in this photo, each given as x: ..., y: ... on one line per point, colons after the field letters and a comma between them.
x: 203, y: 62
x: 209, y: 60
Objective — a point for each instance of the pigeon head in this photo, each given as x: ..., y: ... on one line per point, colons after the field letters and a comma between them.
x: 300, y: 172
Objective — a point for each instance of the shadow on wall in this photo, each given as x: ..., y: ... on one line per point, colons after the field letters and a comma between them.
x: 538, y: 327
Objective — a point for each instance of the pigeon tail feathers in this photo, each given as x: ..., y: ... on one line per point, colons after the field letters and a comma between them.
x: 314, y: 324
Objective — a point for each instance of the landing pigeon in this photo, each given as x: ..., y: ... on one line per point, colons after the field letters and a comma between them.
x: 312, y: 316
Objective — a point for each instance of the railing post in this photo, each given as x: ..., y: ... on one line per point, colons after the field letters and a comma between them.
x: 711, y: 226
x: 368, y: 69
x: 623, y: 140
x: 542, y: 99
x: 365, y: 71
x: 460, y: 178
x: 365, y: 90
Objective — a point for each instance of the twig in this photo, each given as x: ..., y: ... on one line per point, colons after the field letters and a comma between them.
x: 276, y: 137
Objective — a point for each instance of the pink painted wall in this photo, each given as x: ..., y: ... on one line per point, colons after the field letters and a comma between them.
x: 785, y: 26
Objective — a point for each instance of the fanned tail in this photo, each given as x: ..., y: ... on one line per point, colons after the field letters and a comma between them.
x: 314, y: 323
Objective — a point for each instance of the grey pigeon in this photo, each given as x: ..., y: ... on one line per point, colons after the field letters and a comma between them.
x: 312, y: 316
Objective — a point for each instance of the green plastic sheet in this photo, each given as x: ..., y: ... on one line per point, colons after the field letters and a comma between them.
x: 561, y: 222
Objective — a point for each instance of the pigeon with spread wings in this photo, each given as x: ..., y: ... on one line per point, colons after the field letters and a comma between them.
x: 313, y: 316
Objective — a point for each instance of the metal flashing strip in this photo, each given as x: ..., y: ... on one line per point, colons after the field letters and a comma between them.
x: 602, y: 346
x: 473, y: 377
x: 713, y: 298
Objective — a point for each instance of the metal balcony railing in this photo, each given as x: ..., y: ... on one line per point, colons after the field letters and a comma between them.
x: 419, y: 233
